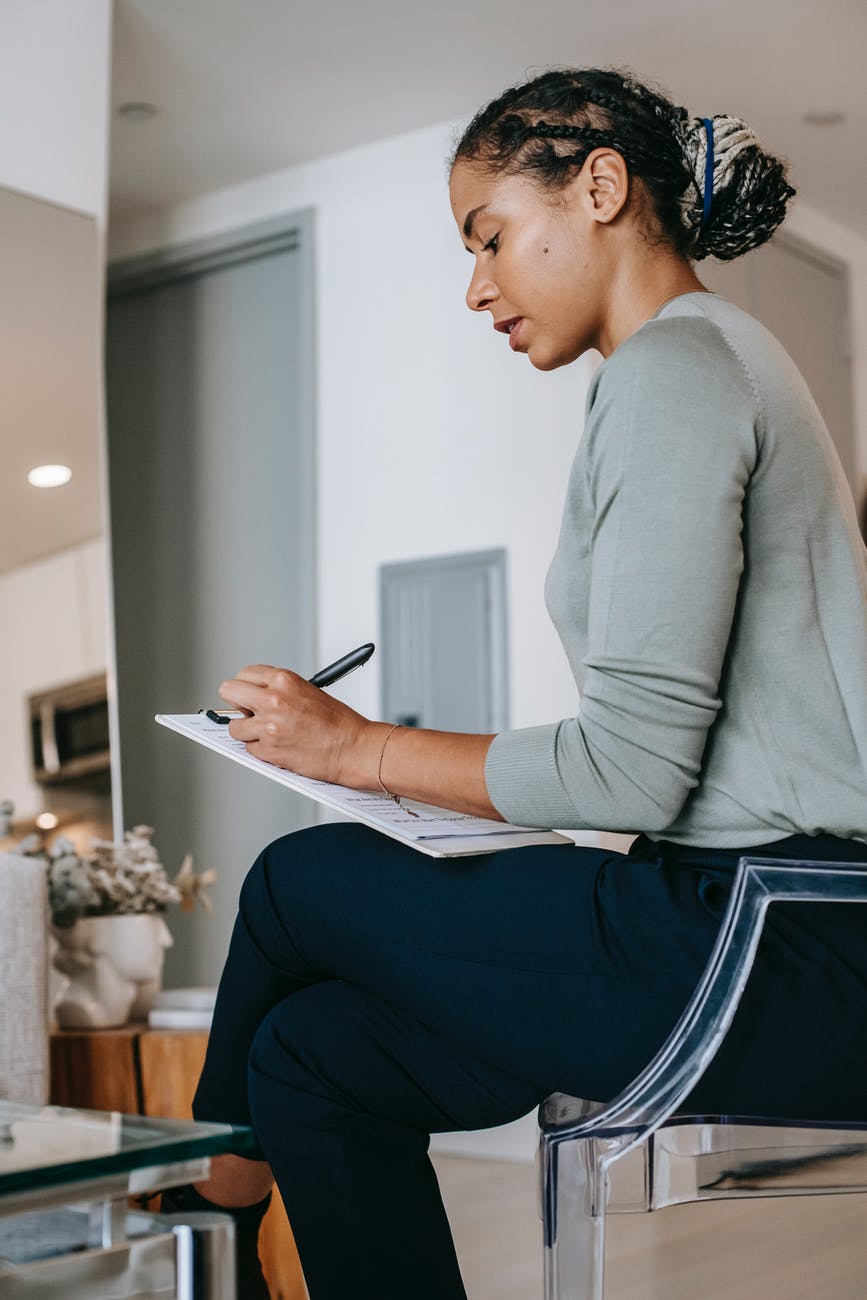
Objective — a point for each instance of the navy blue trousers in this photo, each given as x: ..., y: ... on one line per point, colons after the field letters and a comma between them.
x: 372, y: 996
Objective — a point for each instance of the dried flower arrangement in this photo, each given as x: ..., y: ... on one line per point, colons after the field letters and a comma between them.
x: 116, y: 878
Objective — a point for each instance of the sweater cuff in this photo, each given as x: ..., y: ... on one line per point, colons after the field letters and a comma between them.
x: 523, y: 779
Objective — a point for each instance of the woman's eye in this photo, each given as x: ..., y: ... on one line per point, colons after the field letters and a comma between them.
x: 491, y: 245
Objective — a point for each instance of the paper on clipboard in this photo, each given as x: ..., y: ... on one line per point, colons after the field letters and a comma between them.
x: 435, y: 831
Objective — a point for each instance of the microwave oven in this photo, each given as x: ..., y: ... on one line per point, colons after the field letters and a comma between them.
x: 69, y: 736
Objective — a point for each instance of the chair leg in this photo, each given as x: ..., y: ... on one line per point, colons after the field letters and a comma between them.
x: 573, y: 1220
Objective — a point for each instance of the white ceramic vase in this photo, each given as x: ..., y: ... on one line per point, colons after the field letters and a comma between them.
x: 113, y: 967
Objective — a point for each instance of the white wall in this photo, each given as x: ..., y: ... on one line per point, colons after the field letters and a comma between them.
x: 54, y: 631
x: 54, y: 79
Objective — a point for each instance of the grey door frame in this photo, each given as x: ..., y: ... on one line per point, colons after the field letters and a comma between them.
x: 293, y: 231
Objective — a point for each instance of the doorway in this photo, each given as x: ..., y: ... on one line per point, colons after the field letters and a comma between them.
x: 209, y: 374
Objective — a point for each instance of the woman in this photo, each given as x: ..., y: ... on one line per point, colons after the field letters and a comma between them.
x: 709, y: 588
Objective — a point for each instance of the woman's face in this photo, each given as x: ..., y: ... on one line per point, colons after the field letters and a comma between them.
x: 538, y: 267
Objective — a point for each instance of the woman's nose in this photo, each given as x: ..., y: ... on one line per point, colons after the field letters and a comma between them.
x: 482, y: 291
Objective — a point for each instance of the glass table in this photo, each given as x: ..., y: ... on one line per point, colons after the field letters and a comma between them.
x: 65, y: 1225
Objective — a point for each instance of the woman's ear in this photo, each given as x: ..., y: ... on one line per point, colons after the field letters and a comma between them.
x: 604, y: 184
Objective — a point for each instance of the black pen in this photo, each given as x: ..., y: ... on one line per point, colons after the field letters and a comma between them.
x: 340, y: 667
x: 325, y: 677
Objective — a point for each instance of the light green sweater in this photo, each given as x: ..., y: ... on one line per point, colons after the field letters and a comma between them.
x: 710, y: 591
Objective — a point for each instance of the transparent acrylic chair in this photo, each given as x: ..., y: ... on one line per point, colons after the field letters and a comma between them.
x: 634, y: 1154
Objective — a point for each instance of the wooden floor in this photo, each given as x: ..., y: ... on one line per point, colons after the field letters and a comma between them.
x: 800, y: 1248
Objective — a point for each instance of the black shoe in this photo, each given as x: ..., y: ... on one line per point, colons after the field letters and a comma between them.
x: 251, y: 1282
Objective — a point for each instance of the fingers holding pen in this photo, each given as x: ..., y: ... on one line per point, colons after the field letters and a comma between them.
x: 262, y: 690
x: 262, y: 674
x: 249, y: 682
x: 248, y: 729
x: 277, y: 708
x: 253, y: 697
x: 242, y: 694
x: 291, y: 721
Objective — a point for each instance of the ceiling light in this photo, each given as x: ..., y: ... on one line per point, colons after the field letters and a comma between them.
x: 824, y: 117
x: 137, y: 110
x: 49, y: 476
x: 47, y: 821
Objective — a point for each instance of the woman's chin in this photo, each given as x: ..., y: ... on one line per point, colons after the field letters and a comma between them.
x: 543, y: 360
x: 552, y: 356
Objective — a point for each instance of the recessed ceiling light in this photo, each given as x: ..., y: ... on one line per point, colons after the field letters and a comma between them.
x: 49, y: 476
x: 47, y: 821
x: 824, y: 117
x: 137, y: 110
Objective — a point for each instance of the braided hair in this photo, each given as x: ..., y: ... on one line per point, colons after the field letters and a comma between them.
x: 546, y: 128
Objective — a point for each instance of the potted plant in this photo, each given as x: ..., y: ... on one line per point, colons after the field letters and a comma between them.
x: 107, y: 912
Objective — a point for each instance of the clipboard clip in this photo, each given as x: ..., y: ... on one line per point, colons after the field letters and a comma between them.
x: 214, y: 716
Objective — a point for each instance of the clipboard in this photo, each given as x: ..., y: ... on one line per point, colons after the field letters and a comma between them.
x: 437, y: 832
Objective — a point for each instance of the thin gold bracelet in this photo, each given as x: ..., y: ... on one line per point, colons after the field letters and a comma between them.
x: 382, y: 786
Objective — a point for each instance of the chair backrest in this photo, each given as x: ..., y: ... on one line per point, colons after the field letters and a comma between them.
x: 658, y: 1090
x: 23, y: 980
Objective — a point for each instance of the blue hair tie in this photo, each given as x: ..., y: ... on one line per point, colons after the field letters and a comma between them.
x: 708, y: 175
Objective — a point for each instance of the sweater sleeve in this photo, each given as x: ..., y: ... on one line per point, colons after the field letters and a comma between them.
x: 669, y: 448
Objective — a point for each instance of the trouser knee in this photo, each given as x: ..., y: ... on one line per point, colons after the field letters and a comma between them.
x: 297, y: 874
x: 276, y: 864
x: 282, y: 1088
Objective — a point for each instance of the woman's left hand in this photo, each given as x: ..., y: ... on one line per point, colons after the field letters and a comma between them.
x: 293, y: 724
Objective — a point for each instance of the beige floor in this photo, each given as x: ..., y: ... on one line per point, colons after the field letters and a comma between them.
x: 804, y: 1248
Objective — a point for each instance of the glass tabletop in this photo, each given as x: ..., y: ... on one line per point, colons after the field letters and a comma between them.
x: 42, y: 1146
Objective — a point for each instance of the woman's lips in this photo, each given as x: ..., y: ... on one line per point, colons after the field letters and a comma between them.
x: 515, y: 334
x: 511, y: 325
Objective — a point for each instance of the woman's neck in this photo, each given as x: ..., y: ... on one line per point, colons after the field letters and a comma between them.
x: 638, y: 292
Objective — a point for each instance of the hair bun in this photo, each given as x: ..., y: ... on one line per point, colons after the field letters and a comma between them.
x: 750, y: 190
